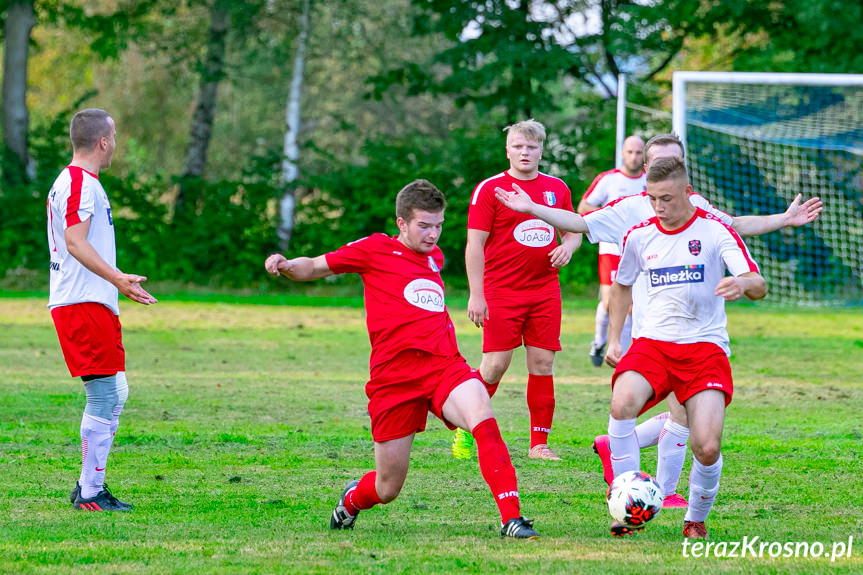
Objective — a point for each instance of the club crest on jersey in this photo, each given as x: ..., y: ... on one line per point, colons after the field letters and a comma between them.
x: 533, y: 233
x: 695, y: 247
x: 425, y: 294
x: 550, y: 198
x: 676, y: 275
x: 432, y: 265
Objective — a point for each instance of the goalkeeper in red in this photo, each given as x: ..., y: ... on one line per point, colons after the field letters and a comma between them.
x: 415, y: 365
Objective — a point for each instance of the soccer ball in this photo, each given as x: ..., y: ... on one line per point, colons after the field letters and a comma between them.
x: 634, y: 498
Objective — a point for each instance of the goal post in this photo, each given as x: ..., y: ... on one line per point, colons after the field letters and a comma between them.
x: 753, y: 141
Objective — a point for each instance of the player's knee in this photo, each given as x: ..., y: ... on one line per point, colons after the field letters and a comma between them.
x: 678, y: 415
x: 103, y: 395
x: 624, y: 405
x: 706, y: 452
x: 492, y: 372
x: 389, y: 490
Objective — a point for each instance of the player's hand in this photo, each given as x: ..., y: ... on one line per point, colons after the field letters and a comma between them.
x: 130, y: 286
x: 274, y: 262
x: 517, y: 200
x: 560, y: 256
x: 729, y: 288
x: 477, y: 310
x: 613, y: 354
x: 799, y: 214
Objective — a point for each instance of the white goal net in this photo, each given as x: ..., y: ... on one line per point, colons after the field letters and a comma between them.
x: 754, y: 141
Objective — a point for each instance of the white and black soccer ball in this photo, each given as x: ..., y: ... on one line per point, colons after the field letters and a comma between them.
x: 634, y: 498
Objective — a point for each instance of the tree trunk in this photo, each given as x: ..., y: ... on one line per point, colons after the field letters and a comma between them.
x: 212, y: 71
x: 290, y: 171
x: 20, y: 19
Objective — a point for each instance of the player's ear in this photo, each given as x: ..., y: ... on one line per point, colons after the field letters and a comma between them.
x: 402, y: 224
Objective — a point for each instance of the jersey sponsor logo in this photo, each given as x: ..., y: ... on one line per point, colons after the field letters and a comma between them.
x: 695, y: 247
x: 533, y: 233
x: 549, y: 198
x: 676, y: 275
x: 110, y: 219
x: 432, y: 265
x: 55, y: 266
x: 425, y: 294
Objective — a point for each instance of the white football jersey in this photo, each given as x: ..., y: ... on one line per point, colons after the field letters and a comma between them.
x: 683, y: 268
x: 75, y: 196
x: 608, y: 187
x: 611, y: 223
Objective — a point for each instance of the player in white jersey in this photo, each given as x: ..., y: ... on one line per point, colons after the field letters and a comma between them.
x: 83, y: 297
x: 683, y: 345
x: 609, y: 186
x: 668, y: 430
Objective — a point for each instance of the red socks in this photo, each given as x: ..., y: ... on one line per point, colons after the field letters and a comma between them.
x: 364, y: 496
x: 496, y: 468
x: 540, y: 403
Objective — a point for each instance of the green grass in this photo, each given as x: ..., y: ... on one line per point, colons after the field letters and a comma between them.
x: 244, y: 423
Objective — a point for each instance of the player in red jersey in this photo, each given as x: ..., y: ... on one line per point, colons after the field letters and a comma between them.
x: 415, y: 366
x: 512, y: 263
x: 608, y: 186
x: 85, y: 282
x: 682, y: 345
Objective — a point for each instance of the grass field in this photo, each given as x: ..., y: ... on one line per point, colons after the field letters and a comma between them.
x: 244, y: 423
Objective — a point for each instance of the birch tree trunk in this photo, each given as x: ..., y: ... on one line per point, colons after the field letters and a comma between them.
x: 212, y: 71
x: 290, y: 172
x: 20, y: 19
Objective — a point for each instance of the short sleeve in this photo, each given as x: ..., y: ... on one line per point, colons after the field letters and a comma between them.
x: 481, y: 212
x: 734, y: 253
x: 351, y: 258
x: 630, y: 261
x: 80, y: 204
x: 700, y: 201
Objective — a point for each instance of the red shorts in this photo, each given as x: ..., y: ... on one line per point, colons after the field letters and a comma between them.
x: 512, y: 321
x: 608, y: 268
x: 90, y: 338
x: 684, y: 368
x: 404, y: 389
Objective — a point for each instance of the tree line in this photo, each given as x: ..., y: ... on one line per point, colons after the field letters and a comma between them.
x: 246, y: 127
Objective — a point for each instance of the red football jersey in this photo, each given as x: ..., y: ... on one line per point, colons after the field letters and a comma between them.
x: 517, y: 248
x: 404, y: 296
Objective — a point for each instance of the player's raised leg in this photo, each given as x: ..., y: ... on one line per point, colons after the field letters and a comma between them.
x: 468, y: 406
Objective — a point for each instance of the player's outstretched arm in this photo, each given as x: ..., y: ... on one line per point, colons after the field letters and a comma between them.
x: 797, y: 214
x: 127, y: 284
x: 518, y: 200
x: 618, y: 306
x: 750, y: 284
x: 298, y: 269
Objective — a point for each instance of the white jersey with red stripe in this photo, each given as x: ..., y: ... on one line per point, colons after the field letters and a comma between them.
x: 76, y: 196
x: 608, y: 187
x: 683, y: 268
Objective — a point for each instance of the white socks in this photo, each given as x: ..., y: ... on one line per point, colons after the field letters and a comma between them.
x: 625, y: 454
x: 649, y: 431
x: 601, y: 334
x: 671, y: 455
x: 96, y: 439
x: 703, y: 486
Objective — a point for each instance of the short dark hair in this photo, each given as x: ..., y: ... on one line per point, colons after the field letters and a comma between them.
x: 88, y: 127
x: 419, y: 195
x: 661, y: 140
x: 663, y: 169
